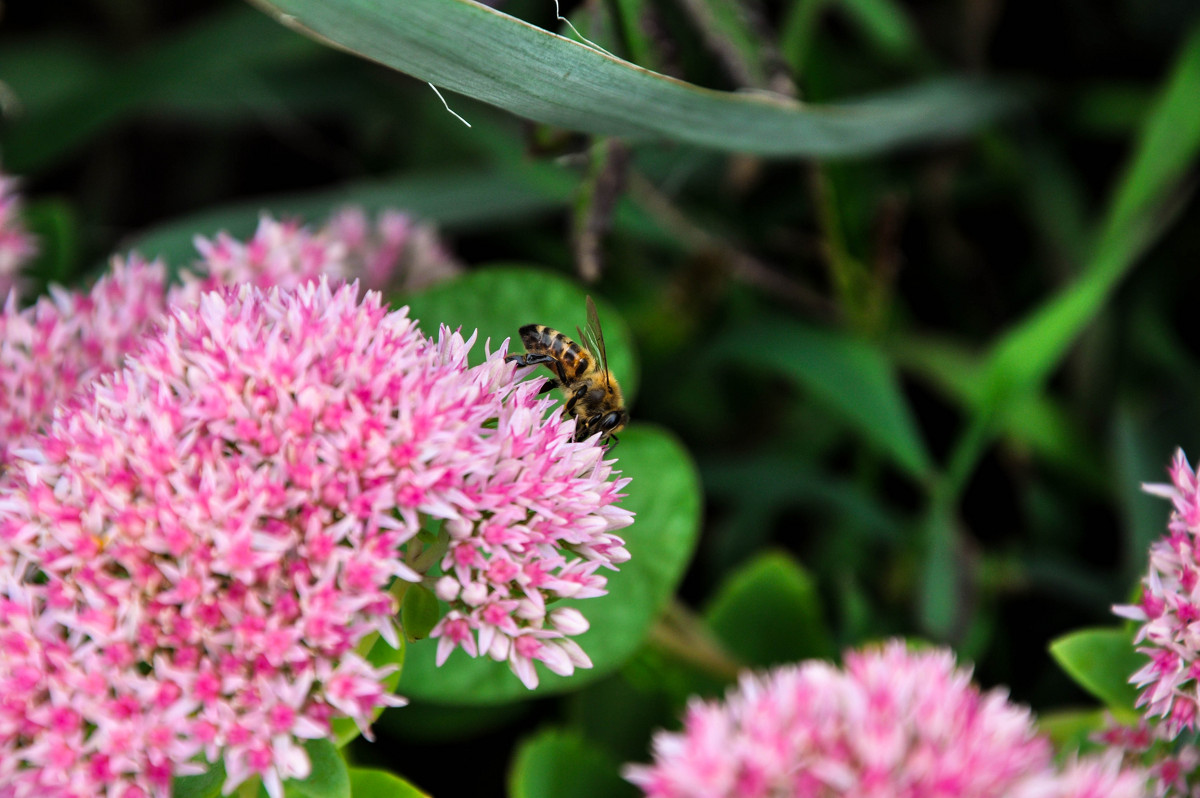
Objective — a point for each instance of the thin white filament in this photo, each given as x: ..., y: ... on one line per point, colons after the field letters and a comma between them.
x: 448, y: 108
x: 582, y: 38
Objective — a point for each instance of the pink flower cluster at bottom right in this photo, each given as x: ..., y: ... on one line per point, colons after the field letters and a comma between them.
x: 892, y: 722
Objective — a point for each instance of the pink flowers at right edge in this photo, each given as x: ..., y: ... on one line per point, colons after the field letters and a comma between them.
x: 17, y: 245
x: 1170, y: 607
x: 892, y: 723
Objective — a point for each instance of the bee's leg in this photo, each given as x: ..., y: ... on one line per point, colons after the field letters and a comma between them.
x: 575, y: 397
x: 527, y: 359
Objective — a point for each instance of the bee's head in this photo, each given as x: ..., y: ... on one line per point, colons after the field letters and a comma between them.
x: 607, y: 424
x: 611, y: 423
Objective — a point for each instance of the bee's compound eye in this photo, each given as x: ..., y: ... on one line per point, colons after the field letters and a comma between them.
x: 611, y: 421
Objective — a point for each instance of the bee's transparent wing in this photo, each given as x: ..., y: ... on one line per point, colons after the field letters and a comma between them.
x: 593, y: 337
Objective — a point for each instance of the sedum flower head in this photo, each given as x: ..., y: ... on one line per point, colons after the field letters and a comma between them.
x: 396, y: 252
x: 68, y: 338
x: 197, y: 548
x: 892, y: 722
x: 1169, y: 609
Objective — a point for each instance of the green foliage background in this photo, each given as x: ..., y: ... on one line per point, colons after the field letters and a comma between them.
x: 899, y: 355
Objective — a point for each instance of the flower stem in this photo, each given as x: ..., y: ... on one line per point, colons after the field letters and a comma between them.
x: 681, y: 633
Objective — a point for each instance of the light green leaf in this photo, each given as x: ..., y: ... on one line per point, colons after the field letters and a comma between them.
x: 1141, y: 208
x: 1101, y: 662
x: 1035, y: 420
x: 768, y: 612
x: 370, y: 783
x: 665, y: 494
x: 558, y: 764
x: 480, y: 52
x: 886, y: 23
x: 850, y: 376
x: 330, y: 778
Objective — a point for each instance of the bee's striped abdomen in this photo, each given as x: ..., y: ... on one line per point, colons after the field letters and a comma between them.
x: 540, y: 339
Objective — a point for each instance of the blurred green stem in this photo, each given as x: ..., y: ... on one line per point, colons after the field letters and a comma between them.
x: 682, y: 634
x: 740, y: 265
x: 857, y: 295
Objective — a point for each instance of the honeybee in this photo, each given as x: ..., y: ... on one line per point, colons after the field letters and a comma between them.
x: 593, y: 396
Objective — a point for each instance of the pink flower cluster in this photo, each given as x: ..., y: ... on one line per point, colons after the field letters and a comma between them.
x: 396, y: 253
x: 1173, y: 767
x: 892, y: 722
x: 198, y: 547
x: 65, y: 340
x: 1169, y: 609
x: 16, y: 244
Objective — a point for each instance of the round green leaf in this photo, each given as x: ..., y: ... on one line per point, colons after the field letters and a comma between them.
x: 329, y: 777
x: 500, y: 299
x: 419, y: 613
x: 369, y: 783
x: 558, y: 764
x: 1101, y: 662
x: 768, y: 612
x: 665, y: 494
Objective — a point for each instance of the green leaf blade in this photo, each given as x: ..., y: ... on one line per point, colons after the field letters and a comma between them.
x: 480, y: 52
x: 851, y: 377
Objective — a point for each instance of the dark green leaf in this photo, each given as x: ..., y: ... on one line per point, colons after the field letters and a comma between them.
x: 453, y: 201
x: 86, y: 94
x: 850, y: 376
x: 480, y: 52
x: 768, y: 612
x: 730, y: 37
x: 1101, y: 662
x: 419, y: 613
x: 557, y: 764
x: 206, y: 785
x: 665, y: 494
